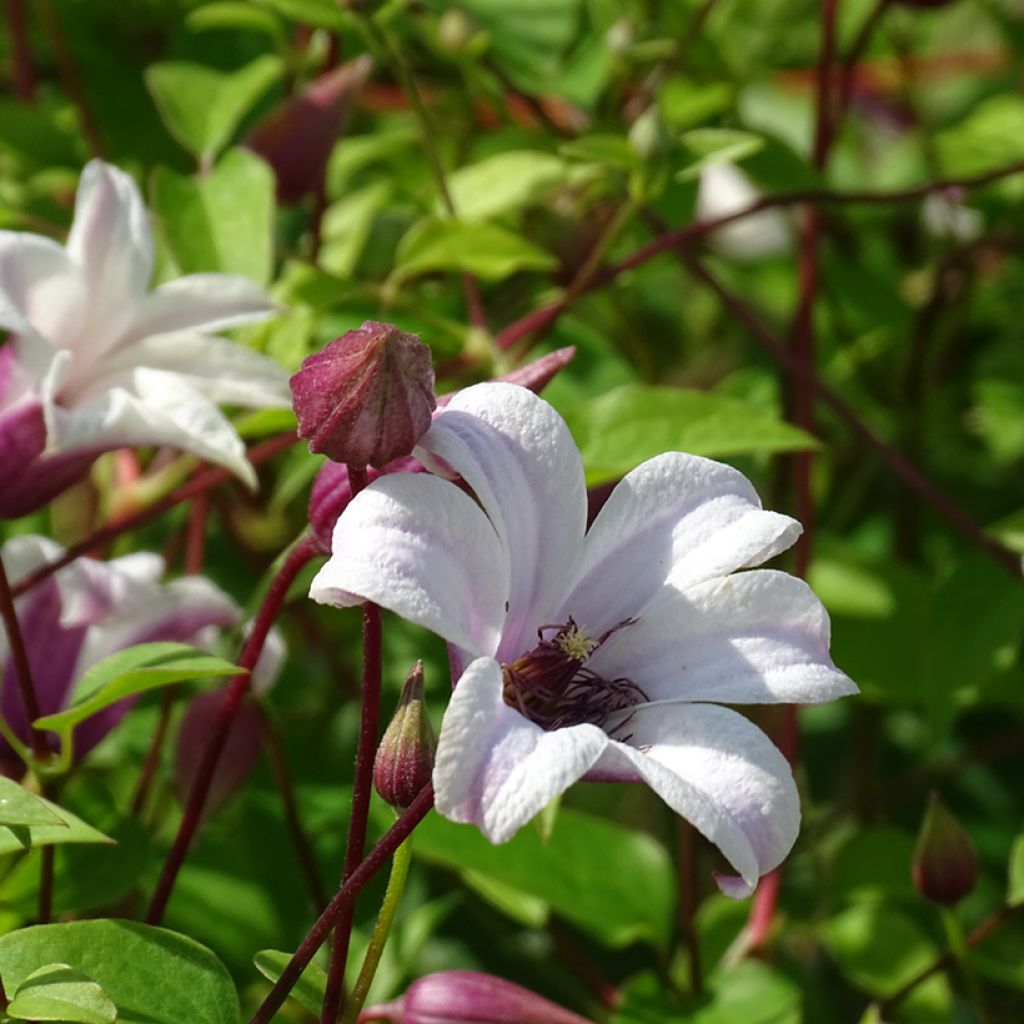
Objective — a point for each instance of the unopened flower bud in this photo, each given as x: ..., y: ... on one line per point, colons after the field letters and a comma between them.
x: 945, y: 866
x: 469, y: 997
x: 367, y: 398
x: 405, y: 758
x: 296, y: 139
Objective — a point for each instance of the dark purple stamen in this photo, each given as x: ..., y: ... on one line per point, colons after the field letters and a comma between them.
x: 551, y: 686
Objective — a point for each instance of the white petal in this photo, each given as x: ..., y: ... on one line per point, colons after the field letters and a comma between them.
x: 496, y: 769
x: 422, y: 548
x: 719, y: 772
x: 676, y: 519
x: 206, y: 303
x: 758, y: 637
x: 165, y: 409
x: 224, y: 372
x: 518, y: 456
x: 42, y: 297
x: 110, y: 239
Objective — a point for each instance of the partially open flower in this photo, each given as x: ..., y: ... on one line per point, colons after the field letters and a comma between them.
x: 469, y: 997
x: 405, y: 758
x: 945, y: 865
x: 366, y: 399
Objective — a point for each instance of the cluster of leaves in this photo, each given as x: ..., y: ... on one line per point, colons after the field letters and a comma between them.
x: 562, y: 136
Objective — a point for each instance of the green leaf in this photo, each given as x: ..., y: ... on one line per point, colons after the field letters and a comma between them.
x: 347, y: 225
x: 992, y: 134
x: 569, y: 872
x: 153, y: 976
x: 714, y: 145
x: 220, y: 222
x: 503, y: 183
x: 68, y: 829
x: 623, y: 427
x: 321, y: 13
x: 235, y: 14
x: 58, y: 992
x: 608, y: 150
x: 1015, y: 891
x: 89, y: 876
x: 201, y: 107
x: 20, y: 807
x: 486, y: 250
x: 878, y: 948
x: 131, y: 672
x: 309, y: 989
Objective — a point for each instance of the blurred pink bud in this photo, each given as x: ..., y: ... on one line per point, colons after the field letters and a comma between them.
x: 469, y: 997
x: 332, y: 492
x: 945, y: 866
x: 296, y: 139
x: 405, y: 757
x: 366, y: 399
x: 241, y: 752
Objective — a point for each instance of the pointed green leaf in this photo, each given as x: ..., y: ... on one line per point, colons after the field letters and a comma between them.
x: 20, y: 807
x: 503, y: 183
x: 66, y: 829
x: 222, y: 221
x: 131, y: 672
x: 202, y: 107
x: 152, y: 975
x: 309, y: 989
x: 486, y: 250
x: 713, y: 145
x: 58, y: 992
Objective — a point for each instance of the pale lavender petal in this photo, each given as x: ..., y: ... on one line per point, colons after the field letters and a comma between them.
x: 758, y: 637
x: 110, y: 241
x: 495, y: 768
x: 422, y: 548
x: 219, y: 370
x: 41, y: 291
x: 517, y: 455
x: 204, y: 303
x: 719, y: 772
x: 676, y: 519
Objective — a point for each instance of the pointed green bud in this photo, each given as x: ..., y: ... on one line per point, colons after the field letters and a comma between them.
x: 945, y: 866
x: 405, y: 758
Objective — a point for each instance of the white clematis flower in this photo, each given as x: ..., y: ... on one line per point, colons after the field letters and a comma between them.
x: 98, y: 361
x: 605, y: 654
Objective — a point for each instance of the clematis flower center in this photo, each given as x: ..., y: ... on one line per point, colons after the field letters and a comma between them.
x: 553, y: 688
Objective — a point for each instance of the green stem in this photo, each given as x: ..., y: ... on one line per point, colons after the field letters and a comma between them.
x: 381, y: 931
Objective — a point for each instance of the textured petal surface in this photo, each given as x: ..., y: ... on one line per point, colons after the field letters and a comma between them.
x: 757, y: 637
x: 721, y: 773
x: 676, y: 519
x: 200, y: 302
x: 517, y: 455
x: 496, y: 769
x: 422, y: 548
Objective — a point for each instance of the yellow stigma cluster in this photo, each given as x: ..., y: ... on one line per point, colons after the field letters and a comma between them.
x: 575, y: 643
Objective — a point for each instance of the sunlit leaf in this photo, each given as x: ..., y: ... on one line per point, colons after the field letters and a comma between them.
x: 58, y: 992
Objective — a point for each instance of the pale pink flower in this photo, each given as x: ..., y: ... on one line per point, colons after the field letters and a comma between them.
x: 605, y: 654
x: 96, y: 360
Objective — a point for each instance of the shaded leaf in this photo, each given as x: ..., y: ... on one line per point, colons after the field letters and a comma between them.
x: 309, y: 989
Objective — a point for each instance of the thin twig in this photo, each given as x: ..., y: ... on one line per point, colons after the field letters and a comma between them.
x: 21, y: 52
x: 317, y: 935
x: 108, y: 531
x: 297, y: 559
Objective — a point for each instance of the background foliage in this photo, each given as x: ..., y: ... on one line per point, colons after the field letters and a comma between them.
x: 566, y: 135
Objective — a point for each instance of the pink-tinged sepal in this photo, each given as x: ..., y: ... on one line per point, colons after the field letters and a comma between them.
x: 469, y: 997
x: 945, y: 866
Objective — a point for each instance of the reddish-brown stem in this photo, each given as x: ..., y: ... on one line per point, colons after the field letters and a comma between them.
x: 195, y: 533
x: 848, y: 69
x: 689, y: 234
x: 893, y: 458
x: 293, y: 822
x: 316, y: 936
x: 362, y: 787
x: 22, y: 668
x: 68, y: 69
x: 948, y: 959
x: 45, y: 911
x: 108, y: 531
x: 686, y: 869
x: 297, y: 559
x: 21, y: 53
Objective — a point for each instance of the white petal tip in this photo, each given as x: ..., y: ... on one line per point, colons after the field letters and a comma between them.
x: 733, y: 886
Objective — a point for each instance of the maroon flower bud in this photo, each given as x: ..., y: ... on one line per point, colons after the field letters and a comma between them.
x: 945, y: 866
x: 296, y: 139
x: 469, y: 997
x: 367, y: 398
x: 332, y: 491
x: 405, y: 757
